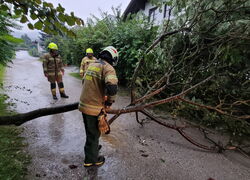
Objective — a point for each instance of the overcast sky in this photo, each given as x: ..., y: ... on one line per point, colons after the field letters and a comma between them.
x: 82, y: 9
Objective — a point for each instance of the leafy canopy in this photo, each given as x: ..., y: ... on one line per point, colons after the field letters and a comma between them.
x: 50, y: 19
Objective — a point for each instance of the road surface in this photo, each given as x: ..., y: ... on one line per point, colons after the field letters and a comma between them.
x: 132, y: 152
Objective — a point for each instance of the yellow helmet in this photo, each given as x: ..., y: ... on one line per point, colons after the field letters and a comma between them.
x: 52, y: 46
x: 89, y: 51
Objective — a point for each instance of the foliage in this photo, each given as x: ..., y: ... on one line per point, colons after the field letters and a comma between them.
x: 7, y: 41
x: 216, y: 45
x: 43, y: 37
x: 130, y: 37
x: 29, y: 45
x: 76, y: 75
x: 34, y: 52
x: 26, y: 40
x: 50, y: 19
x: 3, y: 97
x: 2, y: 70
x: 13, y: 160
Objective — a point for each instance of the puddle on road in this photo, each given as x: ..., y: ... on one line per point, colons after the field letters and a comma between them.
x: 111, y: 140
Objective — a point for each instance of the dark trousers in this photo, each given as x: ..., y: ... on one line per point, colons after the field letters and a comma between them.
x: 53, y: 88
x: 92, y: 138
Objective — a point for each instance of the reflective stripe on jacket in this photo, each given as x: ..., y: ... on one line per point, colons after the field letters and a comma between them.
x: 85, y: 63
x: 52, y: 66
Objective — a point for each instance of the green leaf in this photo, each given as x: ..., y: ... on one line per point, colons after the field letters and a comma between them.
x: 18, y: 12
x: 60, y: 9
x: 45, y: 4
x: 11, y: 38
x: 30, y: 26
x: 47, y: 30
x: 24, y: 19
x: 71, y: 33
x: 61, y: 17
x: 70, y: 21
x: 38, y: 1
x: 50, y: 5
x: 4, y: 7
x: 58, y: 25
x: 64, y: 29
x: 33, y: 16
x: 46, y: 22
x: 78, y: 22
x: 38, y: 25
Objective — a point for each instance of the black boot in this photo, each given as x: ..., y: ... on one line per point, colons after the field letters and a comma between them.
x: 61, y: 89
x: 53, y: 90
x: 63, y: 95
x: 54, y: 97
x: 100, y: 161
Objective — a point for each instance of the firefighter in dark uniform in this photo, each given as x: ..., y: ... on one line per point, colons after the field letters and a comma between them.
x: 53, y: 70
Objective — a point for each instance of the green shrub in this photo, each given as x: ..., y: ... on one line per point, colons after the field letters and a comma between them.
x: 34, y: 52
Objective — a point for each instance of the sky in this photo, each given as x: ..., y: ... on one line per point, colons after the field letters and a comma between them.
x: 82, y: 9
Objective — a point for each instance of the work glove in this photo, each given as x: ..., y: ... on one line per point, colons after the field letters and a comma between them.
x: 103, y: 125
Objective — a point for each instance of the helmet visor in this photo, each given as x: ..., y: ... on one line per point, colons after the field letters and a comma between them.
x: 115, y: 61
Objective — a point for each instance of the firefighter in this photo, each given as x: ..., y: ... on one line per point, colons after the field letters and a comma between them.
x: 98, y: 92
x: 89, y: 58
x: 53, y: 70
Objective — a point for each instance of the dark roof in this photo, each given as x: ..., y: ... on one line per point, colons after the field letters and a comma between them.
x: 134, y: 6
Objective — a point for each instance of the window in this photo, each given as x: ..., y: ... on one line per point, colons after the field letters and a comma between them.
x: 151, y: 14
x: 166, y: 11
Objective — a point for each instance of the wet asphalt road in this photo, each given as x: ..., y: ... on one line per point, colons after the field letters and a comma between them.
x: 151, y: 152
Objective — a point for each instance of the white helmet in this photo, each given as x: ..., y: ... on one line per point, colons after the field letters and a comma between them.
x: 114, y: 53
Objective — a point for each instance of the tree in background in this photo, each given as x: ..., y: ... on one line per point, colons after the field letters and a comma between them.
x: 7, y: 41
x: 49, y: 19
x: 131, y: 37
x: 26, y: 40
x: 42, y: 38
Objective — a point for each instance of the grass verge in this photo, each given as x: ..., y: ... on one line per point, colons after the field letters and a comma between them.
x: 2, y: 70
x: 13, y: 160
x: 76, y: 75
x: 3, y: 97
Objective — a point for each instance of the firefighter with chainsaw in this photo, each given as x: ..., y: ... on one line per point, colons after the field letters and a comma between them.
x: 89, y: 58
x: 98, y: 93
x: 53, y: 70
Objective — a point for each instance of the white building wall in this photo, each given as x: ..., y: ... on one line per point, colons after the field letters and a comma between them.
x: 158, y: 15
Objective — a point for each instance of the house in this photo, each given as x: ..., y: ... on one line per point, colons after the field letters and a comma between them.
x: 154, y: 13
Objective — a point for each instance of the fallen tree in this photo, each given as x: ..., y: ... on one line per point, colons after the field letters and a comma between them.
x: 22, y: 118
x: 217, y: 147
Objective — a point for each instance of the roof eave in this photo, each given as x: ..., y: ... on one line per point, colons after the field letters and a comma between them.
x: 134, y: 6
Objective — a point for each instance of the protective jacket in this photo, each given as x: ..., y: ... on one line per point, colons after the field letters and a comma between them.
x: 100, y: 80
x: 52, y: 66
x: 85, y: 63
